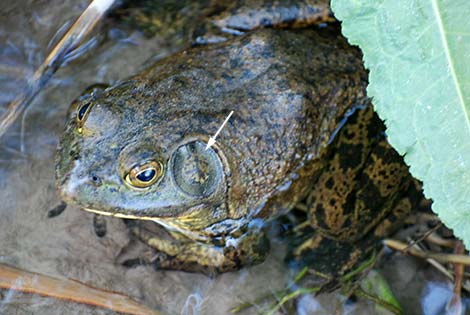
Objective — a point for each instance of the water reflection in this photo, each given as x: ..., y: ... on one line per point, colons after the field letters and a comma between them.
x: 436, y: 296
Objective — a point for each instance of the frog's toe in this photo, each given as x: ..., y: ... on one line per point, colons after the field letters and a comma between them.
x: 210, y: 34
x: 163, y: 261
x: 135, y: 253
x: 57, y: 210
x: 99, y: 225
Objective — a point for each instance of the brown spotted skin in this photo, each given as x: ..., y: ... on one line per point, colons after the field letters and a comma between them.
x: 290, y: 91
x: 361, y: 195
x: 363, y: 174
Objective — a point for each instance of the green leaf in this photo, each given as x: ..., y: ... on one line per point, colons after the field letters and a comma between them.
x: 375, y: 284
x: 418, y: 55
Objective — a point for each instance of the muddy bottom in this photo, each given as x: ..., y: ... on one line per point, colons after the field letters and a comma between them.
x: 67, y: 247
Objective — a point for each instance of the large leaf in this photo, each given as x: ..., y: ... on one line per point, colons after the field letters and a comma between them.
x: 418, y: 55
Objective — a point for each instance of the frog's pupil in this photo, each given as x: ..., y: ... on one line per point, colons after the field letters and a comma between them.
x: 146, y: 175
x: 82, y: 111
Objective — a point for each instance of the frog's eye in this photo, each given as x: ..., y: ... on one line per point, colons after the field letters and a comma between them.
x: 82, y: 112
x: 144, y: 175
x: 195, y: 170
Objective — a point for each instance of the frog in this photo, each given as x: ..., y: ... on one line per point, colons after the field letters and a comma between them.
x: 302, y: 129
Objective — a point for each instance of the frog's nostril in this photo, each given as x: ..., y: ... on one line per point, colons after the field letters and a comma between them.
x: 74, y: 155
x: 95, y: 180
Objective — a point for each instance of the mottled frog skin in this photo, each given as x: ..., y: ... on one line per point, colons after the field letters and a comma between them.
x: 302, y: 128
x: 183, y: 19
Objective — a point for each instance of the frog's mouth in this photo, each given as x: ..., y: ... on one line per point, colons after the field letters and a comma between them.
x: 172, y: 224
x: 119, y: 215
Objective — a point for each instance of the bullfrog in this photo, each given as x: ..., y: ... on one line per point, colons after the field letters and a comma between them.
x: 302, y: 128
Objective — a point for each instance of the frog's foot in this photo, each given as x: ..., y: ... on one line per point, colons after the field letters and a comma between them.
x: 329, y: 258
x: 172, y: 250
x: 57, y: 210
x: 208, y: 33
x: 135, y: 253
x: 338, y: 258
x: 99, y: 225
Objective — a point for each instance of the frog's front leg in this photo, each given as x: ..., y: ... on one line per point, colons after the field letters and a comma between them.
x: 178, y: 252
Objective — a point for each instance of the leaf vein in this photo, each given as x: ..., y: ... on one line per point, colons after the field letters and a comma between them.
x: 451, y: 62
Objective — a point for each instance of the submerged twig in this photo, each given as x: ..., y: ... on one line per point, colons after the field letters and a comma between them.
x: 70, y: 290
x: 424, y: 236
x: 69, y: 42
x: 454, y: 306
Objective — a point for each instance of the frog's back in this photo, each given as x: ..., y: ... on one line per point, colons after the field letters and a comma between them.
x: 288, y: 90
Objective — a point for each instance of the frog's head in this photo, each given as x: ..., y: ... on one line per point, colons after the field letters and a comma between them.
x: 124, y: 158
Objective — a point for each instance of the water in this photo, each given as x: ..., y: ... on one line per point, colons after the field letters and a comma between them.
x: 66, y: 246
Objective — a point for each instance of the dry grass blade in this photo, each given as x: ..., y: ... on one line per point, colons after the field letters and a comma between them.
x: 70, y: 41
x: 390, y: 307
x: 434, y: 238
x: 443, y: 258
x: 70, y: 290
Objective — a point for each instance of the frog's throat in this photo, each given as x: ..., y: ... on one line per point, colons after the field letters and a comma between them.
x: 162, y: 222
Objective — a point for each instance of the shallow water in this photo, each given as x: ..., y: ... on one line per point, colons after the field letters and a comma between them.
x: 66, y: 246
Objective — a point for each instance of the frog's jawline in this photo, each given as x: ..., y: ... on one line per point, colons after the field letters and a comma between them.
x: 119, y: 215
x: 191, y: 234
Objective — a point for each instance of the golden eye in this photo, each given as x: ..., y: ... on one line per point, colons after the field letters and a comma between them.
x: 82, y: 113
x: 144, y: 175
